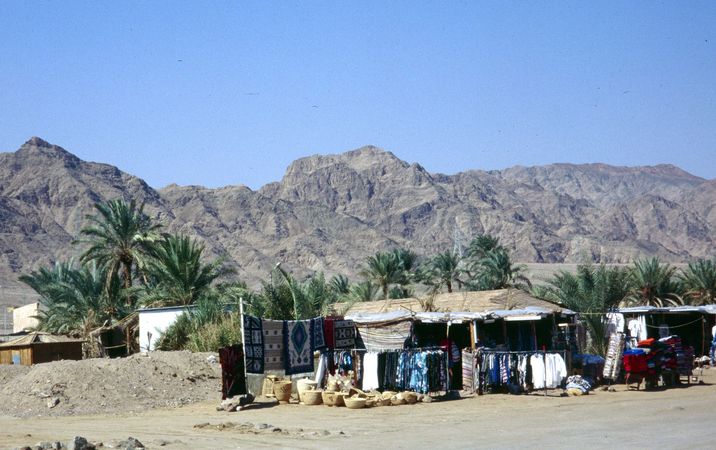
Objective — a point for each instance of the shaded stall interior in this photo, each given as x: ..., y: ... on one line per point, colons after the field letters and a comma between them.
x: 693, y: 327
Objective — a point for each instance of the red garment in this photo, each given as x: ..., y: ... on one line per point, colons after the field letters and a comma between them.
x: 646, y: 342
x: 328, y: 332
x: 233, y: 376
x: 636, y: 364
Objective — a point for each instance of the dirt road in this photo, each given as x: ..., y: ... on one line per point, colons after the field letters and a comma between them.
x: 674, y: 418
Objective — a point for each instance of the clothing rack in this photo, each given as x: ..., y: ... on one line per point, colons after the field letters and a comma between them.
x: 526, y: 352
x: 409, y: 349
x: 417, y: 349
x: 521, y: 352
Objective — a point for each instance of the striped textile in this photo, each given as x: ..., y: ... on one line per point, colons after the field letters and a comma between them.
x: 273, y: 345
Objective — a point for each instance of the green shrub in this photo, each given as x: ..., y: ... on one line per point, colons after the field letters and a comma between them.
x: 212, y: 336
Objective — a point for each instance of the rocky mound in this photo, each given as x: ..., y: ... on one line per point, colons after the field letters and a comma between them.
x: 126, y: 385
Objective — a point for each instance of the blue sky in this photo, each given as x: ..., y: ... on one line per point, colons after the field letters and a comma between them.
x: 218, y: 93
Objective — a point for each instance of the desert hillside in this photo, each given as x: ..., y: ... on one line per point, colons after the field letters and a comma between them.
x: 329, y: 212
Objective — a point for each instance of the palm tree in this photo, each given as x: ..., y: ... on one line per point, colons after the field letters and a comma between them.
x: 699, y: 281
x: 178, y: 275
x: 496, y: 271
x: 383, y: 269
x: 442, y: 270
x: 654, y: 284
x: 340, y: 285
x: 44, y: 279
x: 310, y: 298
x: 407, y: 264
x: 590, y: 291
x: 481, y: 245
x: 275, y: 300
x: 364, y: 291
x: 119, y: 237
x: 75, y: 300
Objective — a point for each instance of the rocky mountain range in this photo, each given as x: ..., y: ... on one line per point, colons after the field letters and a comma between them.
x: 329, y: 212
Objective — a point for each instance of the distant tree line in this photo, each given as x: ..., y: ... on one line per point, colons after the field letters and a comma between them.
x: 125, y: 262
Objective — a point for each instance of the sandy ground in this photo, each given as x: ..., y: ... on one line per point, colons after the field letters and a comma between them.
x: 673, y: 418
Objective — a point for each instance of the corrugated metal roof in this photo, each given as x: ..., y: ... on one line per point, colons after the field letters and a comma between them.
x: 37, y: 337
x: 705, y: 309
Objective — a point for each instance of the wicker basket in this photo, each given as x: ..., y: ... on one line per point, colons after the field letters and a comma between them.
x: 410, y: 397
x: 355, y: 402
x: 282, y: 390
x: 267, y: 388
x: 340, y: 399
x: 312, y: 397
x: 329, y: 398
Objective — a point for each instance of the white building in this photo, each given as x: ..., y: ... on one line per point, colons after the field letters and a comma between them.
x: 23, y: 317
x: 154, y: 321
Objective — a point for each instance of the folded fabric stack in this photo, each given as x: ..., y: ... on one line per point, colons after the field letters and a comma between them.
x: 636, y: 361
x: 577, y: 382
x: 681, y: 359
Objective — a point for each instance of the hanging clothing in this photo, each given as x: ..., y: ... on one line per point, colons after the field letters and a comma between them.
x: 556, y: 370
x: 539, y: 377
x: 612, y: 363
x: 321, y: 370
x: 233, y: 380
x: 468, y: 370
x: 615, y: 323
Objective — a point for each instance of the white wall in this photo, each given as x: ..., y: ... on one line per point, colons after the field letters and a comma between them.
x: 155, y: 321
x: 23, y: 317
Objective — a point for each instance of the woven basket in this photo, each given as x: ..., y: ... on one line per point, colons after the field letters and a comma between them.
x: 329, y: 398
x: 312, y: 397
x: 267, y: 388
x: 410, y: 397
x: 355, y: 403
x: 282, y: 390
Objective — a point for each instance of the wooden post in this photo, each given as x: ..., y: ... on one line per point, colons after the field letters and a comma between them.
x: 473, y: 335
x: 703, y: 337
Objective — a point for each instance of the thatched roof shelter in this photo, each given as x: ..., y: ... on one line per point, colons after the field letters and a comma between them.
x: 460, y: 302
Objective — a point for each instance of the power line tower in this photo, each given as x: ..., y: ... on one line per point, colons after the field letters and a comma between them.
x: 458, y: 241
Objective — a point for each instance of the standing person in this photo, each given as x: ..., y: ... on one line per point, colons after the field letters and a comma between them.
x: 454, y: 362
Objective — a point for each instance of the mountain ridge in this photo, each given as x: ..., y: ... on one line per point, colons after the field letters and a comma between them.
x: 330, y: 211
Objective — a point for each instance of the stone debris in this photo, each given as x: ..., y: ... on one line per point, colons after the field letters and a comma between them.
x: 235, y: 403
x: 131, y: 444
x: 76, y: 443
x: 265, y: 428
